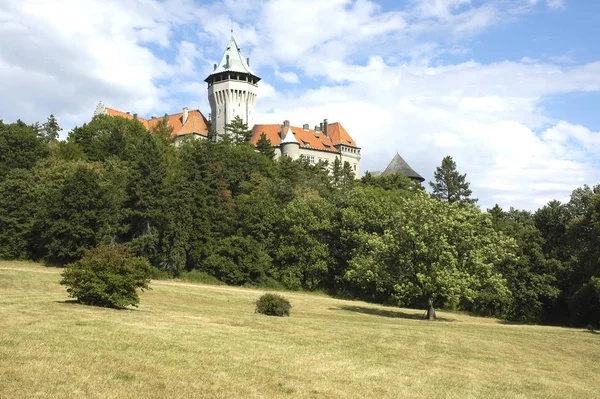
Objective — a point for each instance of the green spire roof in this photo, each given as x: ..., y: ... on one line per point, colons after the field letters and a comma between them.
x: 233, y: 60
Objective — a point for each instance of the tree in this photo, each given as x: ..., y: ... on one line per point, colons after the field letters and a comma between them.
x: 238, y: 260
x: 264, y: 146
x: 17, y: 209
x: 449, y: 185
x: 107, y: 276
x: 78, y: 205
x: 393, y: 181
x: 433, y: 254
x: 50, y: 130
x: 238, y: 131
x: 583, y: 277
x: 302, y: 243
x: 19, y: 147
x: 162, y: 130
x: 531, y: 278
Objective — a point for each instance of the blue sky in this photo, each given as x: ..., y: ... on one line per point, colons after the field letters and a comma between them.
x: 509, y: 88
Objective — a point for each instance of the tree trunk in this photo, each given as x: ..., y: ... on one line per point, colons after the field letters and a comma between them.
x: 431, y: 311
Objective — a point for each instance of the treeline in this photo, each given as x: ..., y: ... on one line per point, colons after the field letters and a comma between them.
x: 235, y: 213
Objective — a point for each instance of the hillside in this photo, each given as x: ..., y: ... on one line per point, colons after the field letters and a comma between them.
x: 188, y: 340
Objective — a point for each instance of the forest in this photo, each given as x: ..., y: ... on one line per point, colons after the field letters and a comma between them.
x: 231, y: 211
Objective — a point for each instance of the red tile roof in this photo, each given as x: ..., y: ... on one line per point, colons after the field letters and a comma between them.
x: 307, y: 138
x: 196, y: 122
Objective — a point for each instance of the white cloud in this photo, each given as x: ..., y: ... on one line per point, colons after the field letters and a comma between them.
x: 556, y: 4
x: 382, y: 71
x: 288, y: 77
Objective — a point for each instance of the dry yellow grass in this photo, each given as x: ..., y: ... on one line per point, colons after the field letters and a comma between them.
x: 187, y: 340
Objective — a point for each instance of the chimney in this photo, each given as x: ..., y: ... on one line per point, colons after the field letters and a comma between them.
x: 321, y: 126
x: 317, y: 128
x: 286, y: 123
x: 134, y: 116
x: 128, y: 113
x: 166, y: 117
x: 326, y: 127
x: 184, y: 116
x: 214, y: 67
x: 248, y: 61
x: 305, y: 127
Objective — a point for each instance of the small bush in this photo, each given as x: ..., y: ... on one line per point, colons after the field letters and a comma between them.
x: 273, y: 305
x: 196, y: 276
x: 107, y: 276
x: 158, y: 274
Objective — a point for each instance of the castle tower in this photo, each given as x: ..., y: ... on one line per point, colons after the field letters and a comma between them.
x: 232, y: 89
x: 290, y: 146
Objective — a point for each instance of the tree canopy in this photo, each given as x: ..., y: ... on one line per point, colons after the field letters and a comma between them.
x: 236, y: 212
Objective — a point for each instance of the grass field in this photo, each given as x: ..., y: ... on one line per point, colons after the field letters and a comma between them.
x: 187, y: 340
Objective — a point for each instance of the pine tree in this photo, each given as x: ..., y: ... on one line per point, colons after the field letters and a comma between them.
x: 50, y: 130
x: 163, y: 130
x: 238, y: 130
x: 449, y: 185
x: 264, y: 146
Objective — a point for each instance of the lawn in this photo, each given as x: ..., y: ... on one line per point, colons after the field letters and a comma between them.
x: 191, y: 340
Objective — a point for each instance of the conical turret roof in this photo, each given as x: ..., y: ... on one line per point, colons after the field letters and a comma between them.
x: 290, y: 137
x: 399, y: 165
x: 233, y: 60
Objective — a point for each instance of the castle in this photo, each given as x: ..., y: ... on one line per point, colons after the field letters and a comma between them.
x: 232, y: 91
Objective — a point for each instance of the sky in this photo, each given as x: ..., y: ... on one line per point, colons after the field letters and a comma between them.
x: 509, y: 88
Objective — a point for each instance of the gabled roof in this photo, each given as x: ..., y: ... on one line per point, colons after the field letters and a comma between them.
x: 237, y: 62
x: 195, y: 123
x: 306, y: 138
x: 399, y: 165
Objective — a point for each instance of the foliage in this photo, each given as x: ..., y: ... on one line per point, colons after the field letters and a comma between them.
x: 78, y: 207
x: 50, y: 130
x: 393, y: 181
x: 273, y: 305
x: 107, y: 276
x: 20, y: 147
x: 433, y: 252
x: 265, y: 147
x: 302, y: 257
x: 237, y: 261
x: 237, y: 131
x: 196, y: 276
x: 17, y: 209
x: 532, y: 279
x: 228, y: 210
x: 449, y: 185
x: 585, y: 303
x: 162, y: 130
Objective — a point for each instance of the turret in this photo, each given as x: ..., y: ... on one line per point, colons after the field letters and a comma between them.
x: 232, y: 89
x: 289, y: 144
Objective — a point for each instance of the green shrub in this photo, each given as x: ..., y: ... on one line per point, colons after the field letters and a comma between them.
x: 159, y: 274
x: 196, y: 276
x: 107, y: 276
x: 273, y: 305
